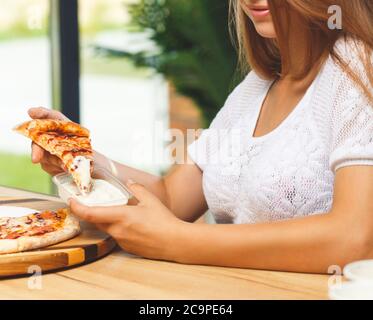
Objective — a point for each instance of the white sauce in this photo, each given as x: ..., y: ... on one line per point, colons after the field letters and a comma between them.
x: 82, y: 166
x: 102, y: 193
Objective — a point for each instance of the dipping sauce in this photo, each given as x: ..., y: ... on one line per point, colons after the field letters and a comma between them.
x: 102, y: 193
x: 82, y: 166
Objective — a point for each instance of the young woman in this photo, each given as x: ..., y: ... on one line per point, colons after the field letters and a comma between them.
x: 297, y: 195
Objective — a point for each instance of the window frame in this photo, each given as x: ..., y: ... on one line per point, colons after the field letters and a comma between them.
x: 65, y: 57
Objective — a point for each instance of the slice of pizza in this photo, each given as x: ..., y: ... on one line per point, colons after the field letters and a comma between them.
x: 36, y: 230
x: 68, y: 141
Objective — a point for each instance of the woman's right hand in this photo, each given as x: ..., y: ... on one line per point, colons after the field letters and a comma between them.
x: 50, y: 163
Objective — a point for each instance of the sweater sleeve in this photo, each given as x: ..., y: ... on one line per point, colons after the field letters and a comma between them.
x: 351, y: 125
x: 202, y: 150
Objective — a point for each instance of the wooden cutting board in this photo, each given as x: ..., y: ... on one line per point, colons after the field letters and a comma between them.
x: 89, y: 245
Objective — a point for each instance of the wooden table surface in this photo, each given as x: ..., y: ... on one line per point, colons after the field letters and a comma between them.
x: 123, y: 276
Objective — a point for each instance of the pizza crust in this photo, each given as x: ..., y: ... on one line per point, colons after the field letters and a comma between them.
x: 70, y: 229
x: 8, y: 246
x: 49, y: 125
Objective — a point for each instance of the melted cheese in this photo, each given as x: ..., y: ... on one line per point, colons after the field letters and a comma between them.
x: 82, y: 167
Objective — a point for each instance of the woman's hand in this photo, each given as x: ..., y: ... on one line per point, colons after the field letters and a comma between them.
x: 148, y: 229
x: 48, y: 162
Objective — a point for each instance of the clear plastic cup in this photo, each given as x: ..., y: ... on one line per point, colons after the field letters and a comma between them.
x: 351, y: 290
x: 359, y: 271
x: 63, y: 179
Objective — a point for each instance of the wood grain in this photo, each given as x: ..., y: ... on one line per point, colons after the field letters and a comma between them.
x: 88, y: 246
x: 123, y: 276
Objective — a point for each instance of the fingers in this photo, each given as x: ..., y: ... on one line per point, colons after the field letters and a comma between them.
x: 37, y: 153
x: 48, y: 162
x: 141, y: 193
x: 44, y: 113
x: 52, y: 161
x: 52, y: 170
x: 103, y: 226
x: 98, y: 215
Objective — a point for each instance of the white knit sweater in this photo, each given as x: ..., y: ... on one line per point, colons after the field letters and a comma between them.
x: 290, y: 171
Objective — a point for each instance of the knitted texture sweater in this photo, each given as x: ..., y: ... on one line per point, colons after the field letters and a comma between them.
x: 290, y: 171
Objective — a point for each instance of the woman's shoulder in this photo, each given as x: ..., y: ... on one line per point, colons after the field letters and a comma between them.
x: 352, y: 53
x: 347, y: 69
x: 239, y: 100
x: 351, y: 120
x: 251, y: 83
x: 339, y: 100
x: 349, y: 48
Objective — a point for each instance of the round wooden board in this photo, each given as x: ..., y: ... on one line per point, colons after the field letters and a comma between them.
x: 89, y: 245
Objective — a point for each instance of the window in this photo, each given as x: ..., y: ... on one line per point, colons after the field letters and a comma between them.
x: 123, y: 106
x: 24, y: 82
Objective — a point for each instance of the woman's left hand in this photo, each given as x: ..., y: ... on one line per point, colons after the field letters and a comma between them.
x: 148, y: 229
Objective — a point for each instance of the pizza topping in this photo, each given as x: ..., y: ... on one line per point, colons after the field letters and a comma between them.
x: 46, y: 215
x: 12, y: 235
x: 37, y: 231
x: 28, y: 220
x: 3, y: 221
x: 32, y: 225
x: 68, y: 141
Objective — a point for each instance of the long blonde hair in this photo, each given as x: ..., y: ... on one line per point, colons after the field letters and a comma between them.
x: 271, y: 59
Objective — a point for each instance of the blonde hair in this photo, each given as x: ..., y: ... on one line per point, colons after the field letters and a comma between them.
x: 270, y: 57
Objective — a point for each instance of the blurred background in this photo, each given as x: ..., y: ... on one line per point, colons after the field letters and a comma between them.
x: 128, y: 67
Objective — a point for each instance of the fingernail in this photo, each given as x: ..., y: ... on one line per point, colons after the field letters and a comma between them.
x: 130, y: 182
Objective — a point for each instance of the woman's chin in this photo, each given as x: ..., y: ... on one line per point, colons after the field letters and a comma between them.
x: 266, y: 30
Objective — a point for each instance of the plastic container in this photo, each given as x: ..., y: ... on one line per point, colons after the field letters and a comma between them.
x: 351, y: 290
x: 63, y: 179
x: 359, y: 271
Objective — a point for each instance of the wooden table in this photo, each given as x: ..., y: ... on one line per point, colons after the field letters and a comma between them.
x: 123, y: 276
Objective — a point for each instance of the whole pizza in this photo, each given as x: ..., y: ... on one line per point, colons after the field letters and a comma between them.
x: 36, y: 230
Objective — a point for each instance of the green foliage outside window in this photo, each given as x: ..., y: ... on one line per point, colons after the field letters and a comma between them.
x: 196, y: 52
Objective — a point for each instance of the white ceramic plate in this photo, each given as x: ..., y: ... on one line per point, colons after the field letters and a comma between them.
x: 10, y: 211
x: 359, y: 271
x: 352, y: 290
